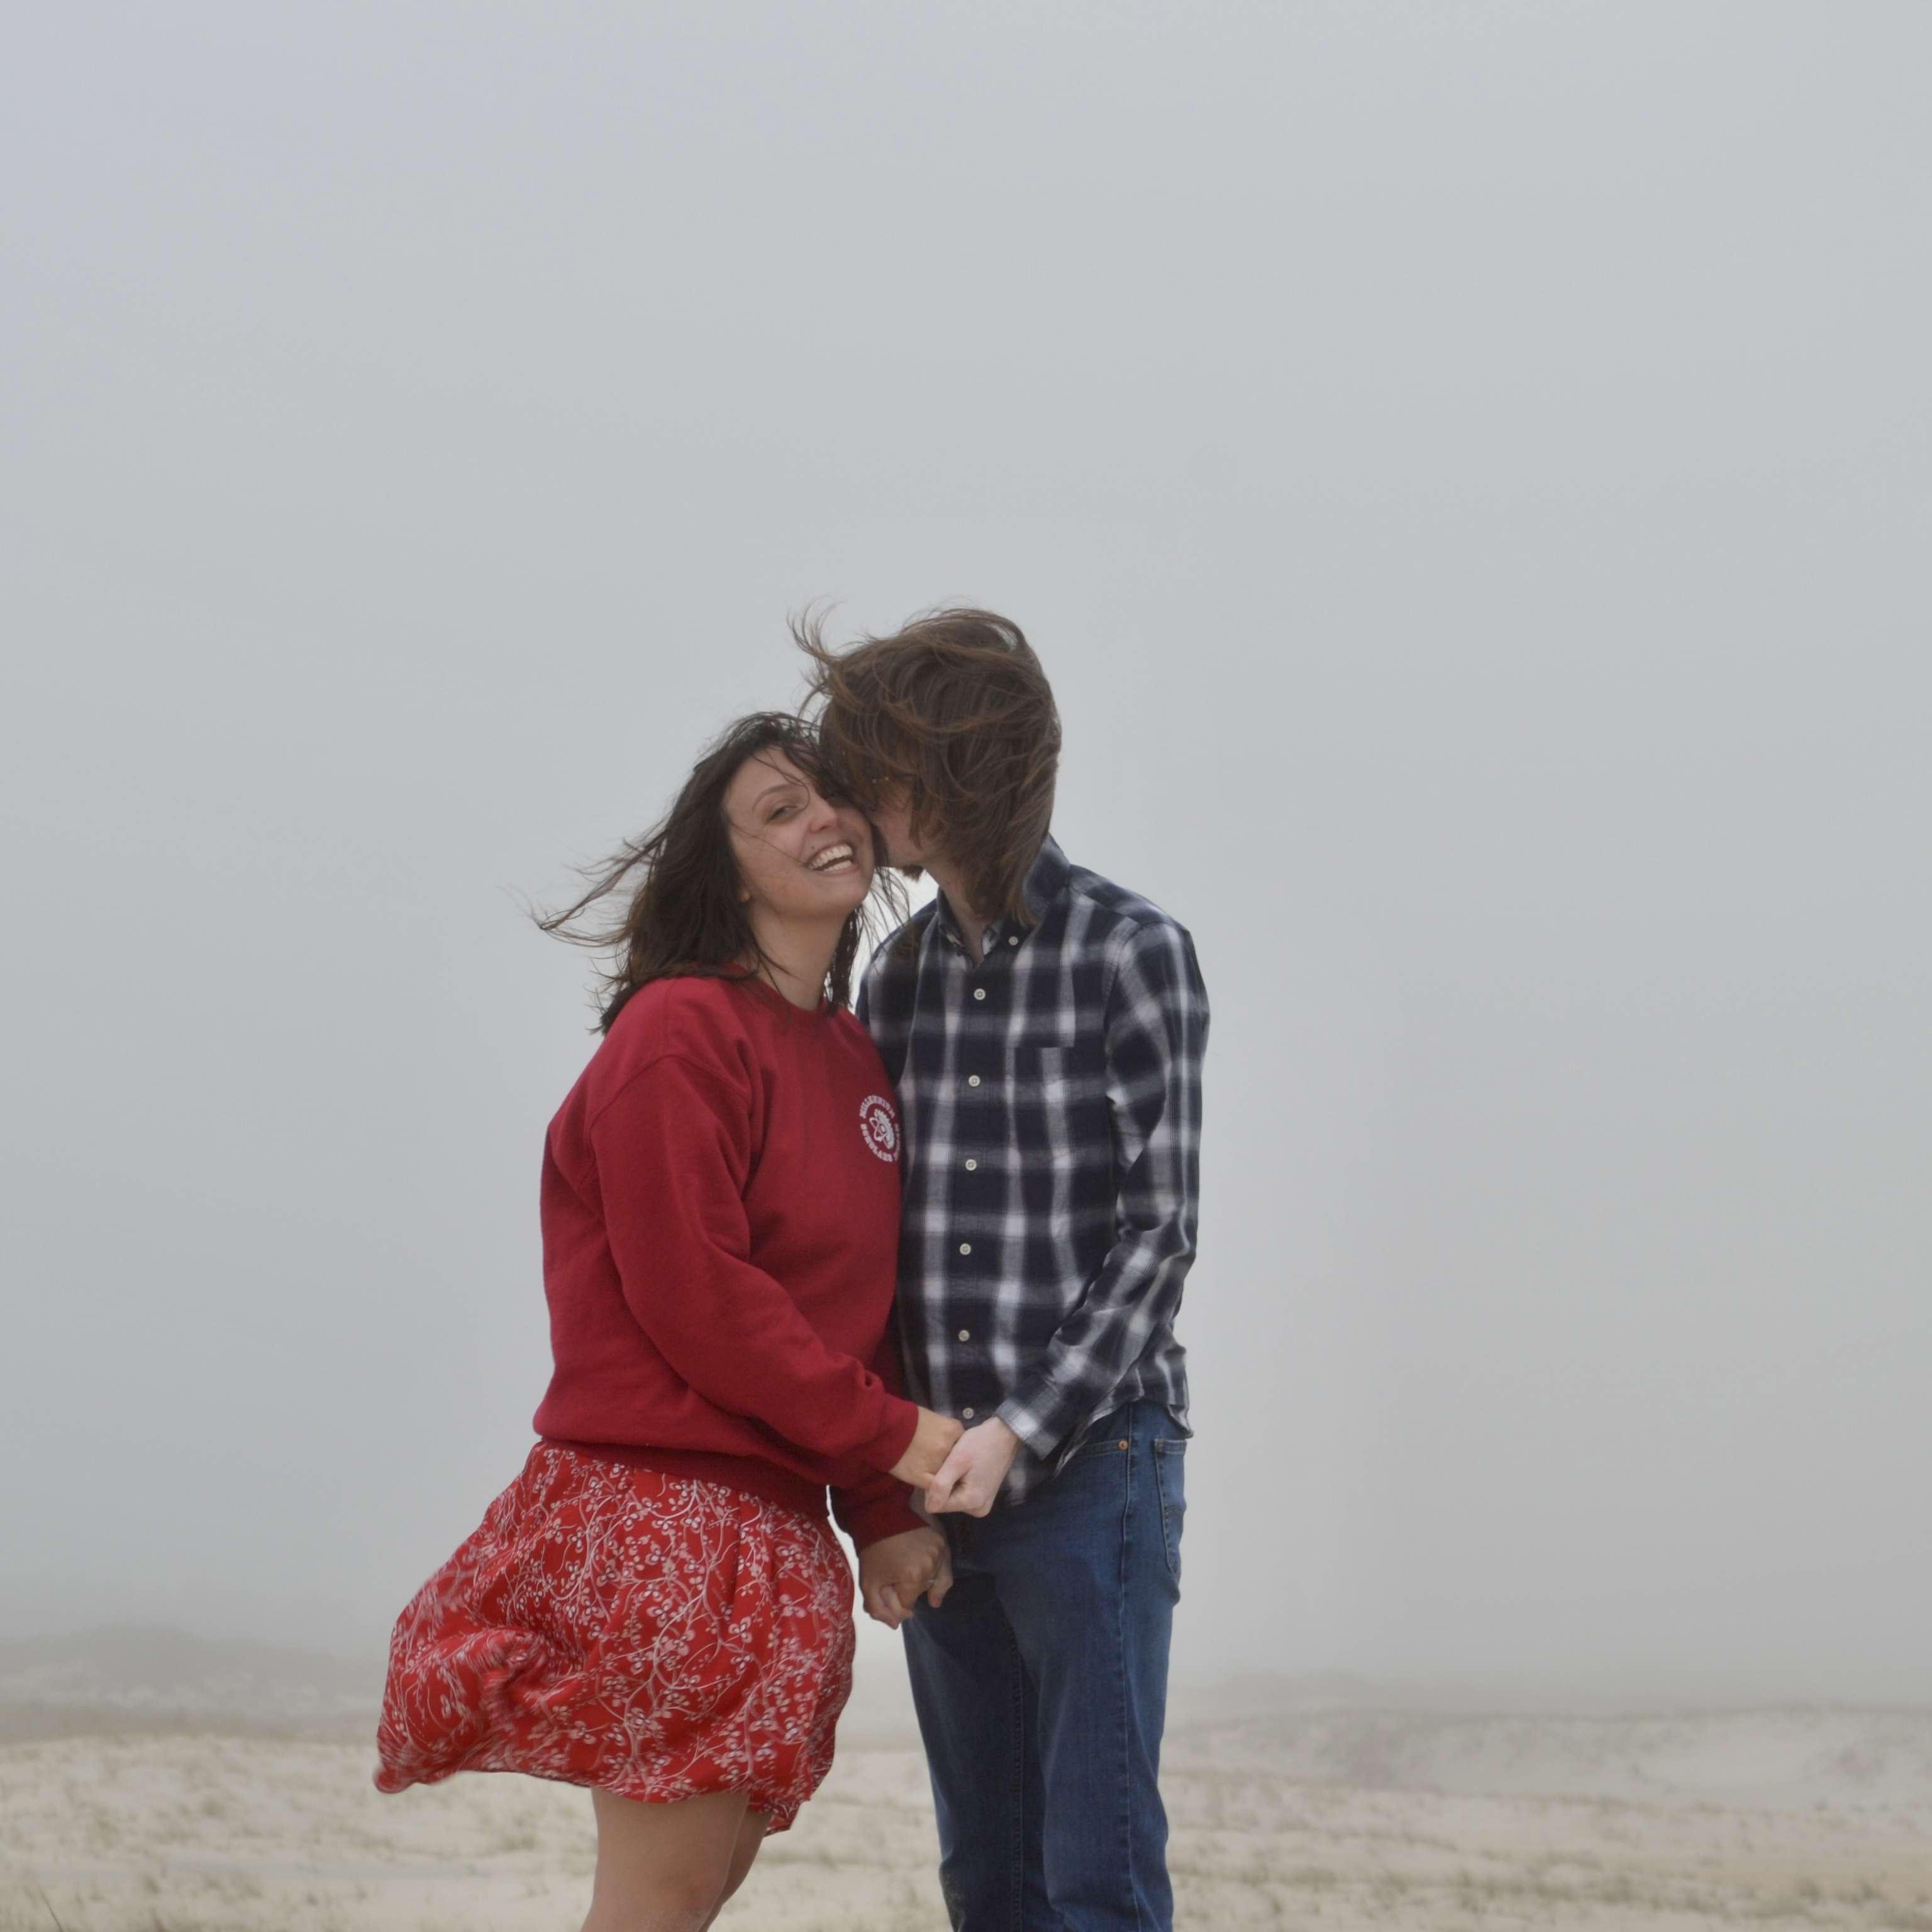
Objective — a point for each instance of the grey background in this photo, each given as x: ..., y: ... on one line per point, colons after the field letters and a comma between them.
x: 1468, y: 470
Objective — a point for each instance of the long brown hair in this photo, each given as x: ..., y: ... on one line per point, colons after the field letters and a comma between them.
x: 955, y: 707
x: 677, y: 914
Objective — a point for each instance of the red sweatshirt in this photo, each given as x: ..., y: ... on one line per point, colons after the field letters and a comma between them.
x: 721, y: 1207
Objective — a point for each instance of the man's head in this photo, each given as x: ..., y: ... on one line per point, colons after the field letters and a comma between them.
x: 946, y: 734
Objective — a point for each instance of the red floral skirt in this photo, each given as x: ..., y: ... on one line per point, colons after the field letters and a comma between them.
x: 653, y: 1635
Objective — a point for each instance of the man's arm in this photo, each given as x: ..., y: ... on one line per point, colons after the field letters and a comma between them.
x: 881, y: 1004
x: 1157, y: 1035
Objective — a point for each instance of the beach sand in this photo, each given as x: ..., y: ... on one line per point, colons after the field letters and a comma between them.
x: 1338, y: 1820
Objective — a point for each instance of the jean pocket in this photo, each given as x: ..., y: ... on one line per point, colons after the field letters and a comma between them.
x: 1170, y: 1481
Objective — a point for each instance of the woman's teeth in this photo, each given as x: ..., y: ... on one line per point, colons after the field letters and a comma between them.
x: 833, y: 858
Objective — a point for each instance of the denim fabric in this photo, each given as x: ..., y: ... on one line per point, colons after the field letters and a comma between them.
x: 1041, y: 1686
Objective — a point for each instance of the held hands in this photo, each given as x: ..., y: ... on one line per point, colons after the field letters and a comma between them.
x: 958, y: 1469
x: 931, y: 1442
x: 896, y: 1570
x: 970, y: 1478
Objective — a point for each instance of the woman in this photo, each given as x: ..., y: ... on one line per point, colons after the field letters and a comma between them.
x: 656, y: 1607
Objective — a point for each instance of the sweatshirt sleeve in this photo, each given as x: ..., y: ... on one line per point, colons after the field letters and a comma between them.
x: 878, y: 1506
x: 672, y: 1149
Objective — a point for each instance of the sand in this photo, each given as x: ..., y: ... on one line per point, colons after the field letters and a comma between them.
x: 1334, y: 1820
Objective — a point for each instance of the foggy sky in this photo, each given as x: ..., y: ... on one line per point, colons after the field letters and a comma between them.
x: 1468, y: 471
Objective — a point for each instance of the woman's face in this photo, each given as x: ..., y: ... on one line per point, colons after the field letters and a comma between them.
x: 800, y: 857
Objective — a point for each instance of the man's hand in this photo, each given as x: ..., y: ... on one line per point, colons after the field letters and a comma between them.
x: 970, y: 1477
x: 894, y: 1572
x: 931, y: 1441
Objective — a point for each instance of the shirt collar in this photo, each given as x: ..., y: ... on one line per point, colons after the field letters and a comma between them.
x: 1045, y: 882
x: 1048, y: 878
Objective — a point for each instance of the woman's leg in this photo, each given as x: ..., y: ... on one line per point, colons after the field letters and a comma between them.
x: 663, y: 1867
x: 751, y: 1836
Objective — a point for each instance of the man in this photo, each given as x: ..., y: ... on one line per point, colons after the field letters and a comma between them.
x: 1044, y: 1030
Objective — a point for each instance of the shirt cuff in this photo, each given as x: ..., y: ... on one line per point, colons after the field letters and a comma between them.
x: 1041, y: 1423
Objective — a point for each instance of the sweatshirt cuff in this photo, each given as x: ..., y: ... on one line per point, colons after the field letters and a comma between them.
x: 890, y: 1515
x: 893, y: 1441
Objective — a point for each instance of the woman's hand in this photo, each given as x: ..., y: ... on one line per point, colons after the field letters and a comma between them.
x: 932, y: 1442
x: 895, y: 1572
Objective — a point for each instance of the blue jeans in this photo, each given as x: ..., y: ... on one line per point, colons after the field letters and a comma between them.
x: 1041, y: 1686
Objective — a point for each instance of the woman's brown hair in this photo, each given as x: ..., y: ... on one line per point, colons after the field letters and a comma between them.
x: 675, y: 890
x: 955, y: 707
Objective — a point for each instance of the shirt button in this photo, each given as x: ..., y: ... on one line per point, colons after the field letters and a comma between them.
x: 979, y: 992
x: 967, y: 1413
x: 972, y: 1079
x: 965, y: 1247
x: 965, y: 1334
x: 971, y: 1165
x: 1013, y: 939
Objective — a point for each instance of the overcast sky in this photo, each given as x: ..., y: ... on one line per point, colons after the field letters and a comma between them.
x: 1468, y: 470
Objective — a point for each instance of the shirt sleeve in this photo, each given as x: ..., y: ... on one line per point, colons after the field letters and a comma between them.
x: 882, y: 1004
x: 1157, y: 1034
x: 673, y: 1151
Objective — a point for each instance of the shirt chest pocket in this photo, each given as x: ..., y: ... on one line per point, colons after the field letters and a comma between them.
x: 1060, y: 1099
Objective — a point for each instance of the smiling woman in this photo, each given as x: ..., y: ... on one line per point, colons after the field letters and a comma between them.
x: 806, y: 865
x: 706, y: 891
x: 656, y: 1608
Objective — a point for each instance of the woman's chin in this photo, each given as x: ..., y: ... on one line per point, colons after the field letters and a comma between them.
x: 837, y: 895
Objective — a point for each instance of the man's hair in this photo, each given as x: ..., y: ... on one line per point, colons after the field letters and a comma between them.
x: 955, y: 707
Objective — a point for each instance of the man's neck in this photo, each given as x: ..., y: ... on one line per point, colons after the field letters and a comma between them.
x: 972, y: 924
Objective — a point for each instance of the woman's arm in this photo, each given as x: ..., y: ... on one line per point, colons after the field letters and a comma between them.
x: 878, y: 1505
x: 672, y: 1149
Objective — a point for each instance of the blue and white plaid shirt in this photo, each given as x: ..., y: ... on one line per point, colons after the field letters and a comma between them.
x: 1050, y: 1098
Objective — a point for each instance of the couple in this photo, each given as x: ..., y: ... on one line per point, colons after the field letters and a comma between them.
x: 765, y: 1222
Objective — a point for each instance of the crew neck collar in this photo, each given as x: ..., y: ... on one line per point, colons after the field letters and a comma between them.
x: 769, y: 995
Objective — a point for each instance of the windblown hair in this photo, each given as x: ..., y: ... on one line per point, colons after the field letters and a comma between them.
x: 673, y: 910
x: 955, y: 707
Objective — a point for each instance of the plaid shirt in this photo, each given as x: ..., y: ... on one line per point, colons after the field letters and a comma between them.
x: 1051, y: 1101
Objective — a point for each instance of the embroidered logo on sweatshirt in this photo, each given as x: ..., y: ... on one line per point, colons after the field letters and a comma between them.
x: 881, y: 1127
